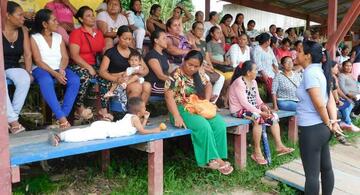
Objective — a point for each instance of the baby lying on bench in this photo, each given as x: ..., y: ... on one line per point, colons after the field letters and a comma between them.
x: 129, y: 125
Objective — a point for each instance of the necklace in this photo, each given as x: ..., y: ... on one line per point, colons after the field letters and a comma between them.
x: 12, y: 45
x: 11, y: 40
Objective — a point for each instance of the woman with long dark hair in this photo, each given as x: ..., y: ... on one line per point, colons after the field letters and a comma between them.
x: 51, y: 58
x: 317, y: 118
x: 245, y: 102
x: 137, y: 23
x: 208, y: 135
x: 226, y: 29
x: 238, y: 26
x: 16, y: 43
x: 154, y: 22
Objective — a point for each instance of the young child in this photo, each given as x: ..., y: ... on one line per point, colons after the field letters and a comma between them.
x: 132, y: 122
x: 130, y: 76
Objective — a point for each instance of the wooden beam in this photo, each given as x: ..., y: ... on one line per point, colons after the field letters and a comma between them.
x: 332, y: 24
x: 277, y: 9
x: 207, y: 9
x: 299, y: 4
x: 5, y: 170
x: 345, y: 25
x: 325, y: 7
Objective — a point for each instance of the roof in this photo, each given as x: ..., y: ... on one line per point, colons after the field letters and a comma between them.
x: 316, y: 11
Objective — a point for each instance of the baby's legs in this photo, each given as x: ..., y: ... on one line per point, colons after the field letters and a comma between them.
x: 83, y: 134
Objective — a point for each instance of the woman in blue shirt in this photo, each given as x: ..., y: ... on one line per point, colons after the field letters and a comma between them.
x: 316, y: 114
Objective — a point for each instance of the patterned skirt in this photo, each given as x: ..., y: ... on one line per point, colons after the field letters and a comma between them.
x: 244, y: 114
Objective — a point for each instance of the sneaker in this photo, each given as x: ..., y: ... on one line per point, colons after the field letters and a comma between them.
x: 355, y: 128
x: 353, y: 115
x: 345, y: 126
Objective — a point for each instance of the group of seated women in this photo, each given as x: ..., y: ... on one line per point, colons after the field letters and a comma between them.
x: 179, y: 64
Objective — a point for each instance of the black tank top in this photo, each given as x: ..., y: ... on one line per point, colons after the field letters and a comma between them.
x: 13, y: 51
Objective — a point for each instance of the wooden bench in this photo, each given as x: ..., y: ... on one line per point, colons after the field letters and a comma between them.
x: 240, y: 127
x: 33, y: 146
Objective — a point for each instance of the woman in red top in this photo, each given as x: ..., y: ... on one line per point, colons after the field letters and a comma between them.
x: 85, y: 43
x: 284, y: 50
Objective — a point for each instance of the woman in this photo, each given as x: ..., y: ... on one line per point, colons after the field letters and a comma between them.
x: 85, y: 43
x: 199, y: 16
x: 251, y: 31
x: 50, y: 56
x: 264, y: 57
x: 297, y: 47
x: 349, y: 85
x: 64, y: 12
x: 291, y: 34
x: 226, y: 29
x: 213, y: 21
x: 16, y: 43
x: 343, y: 103
x: 355, y: 59
x: 115, y: 61
x: 283, y: 50
x: 137, y: 23
x: 284, y: 86
x: 238, y: 27
x: 108, y: 22
x: 239, y: 52
x: 158, y: 63
x: 177, y: 14
x: 317, y: 119
x: 216, y: 79
x: 177, y: 45
x: 154, y: 22
x: 245, y: 102
x: 208, y: 135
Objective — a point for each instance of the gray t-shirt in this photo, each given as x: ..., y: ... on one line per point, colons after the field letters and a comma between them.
x: 216, y: 50
x: 305, y: 111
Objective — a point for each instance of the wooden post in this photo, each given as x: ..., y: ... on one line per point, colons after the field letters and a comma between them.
x: 307, y: 22
x: 105, y: 160
x: 207, y: 9
x: 5, y: 171
x: 155, y: 168
x: 240, y: 147
x: 345, y: 25
x: 15, y: 174
x: 332, y: 25
x: 293, y: 130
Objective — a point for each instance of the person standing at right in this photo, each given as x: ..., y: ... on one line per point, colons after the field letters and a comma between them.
x: 316, y: 114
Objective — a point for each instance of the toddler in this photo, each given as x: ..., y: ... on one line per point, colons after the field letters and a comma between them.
x: 132, y: 122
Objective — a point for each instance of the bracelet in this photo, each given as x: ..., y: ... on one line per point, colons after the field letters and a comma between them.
x: 334, y: 121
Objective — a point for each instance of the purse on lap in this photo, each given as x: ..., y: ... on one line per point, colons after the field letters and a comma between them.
x: 201, y: 107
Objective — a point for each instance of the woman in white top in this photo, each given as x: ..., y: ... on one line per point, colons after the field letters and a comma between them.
x: 110, y: 20
x: 50, y: 56
x: 240, y: 51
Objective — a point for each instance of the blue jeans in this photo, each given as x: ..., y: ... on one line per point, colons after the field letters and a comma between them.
x: 345, y: 111
x: 47, y: 87
x: 287, y: 105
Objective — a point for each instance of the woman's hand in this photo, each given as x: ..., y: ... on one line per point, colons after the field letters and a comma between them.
x: 179, y: 122
x: 265, y: 115
x: 91, y: 71
x: 335, y: 128
x: 60, y: 78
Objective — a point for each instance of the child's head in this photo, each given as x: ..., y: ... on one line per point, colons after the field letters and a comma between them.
x: 134, y: 58
x: 136, y: 105
x: 345, y: 50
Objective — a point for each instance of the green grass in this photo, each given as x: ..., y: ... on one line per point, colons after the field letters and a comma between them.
x: 128, y: 173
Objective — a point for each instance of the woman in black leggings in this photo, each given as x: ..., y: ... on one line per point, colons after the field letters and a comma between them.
x: 316, y: 114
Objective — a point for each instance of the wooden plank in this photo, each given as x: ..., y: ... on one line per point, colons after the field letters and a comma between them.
x: 15, y: 174
x: 105, y: 160
x: 43, y: 151
x: 240, y: 147
x: 293, y: 130
x: 155, y: 169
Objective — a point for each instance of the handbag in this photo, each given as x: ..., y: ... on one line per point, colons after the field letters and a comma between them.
x: 223, y: 68
x: 213, y: 76
x: 201, y: 107
x: 98, y: 55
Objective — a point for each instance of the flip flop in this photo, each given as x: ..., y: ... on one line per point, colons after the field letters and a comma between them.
x: 259, y: 160
x: 16, y: 129
x: 226, y: 169
x: 284, y: 151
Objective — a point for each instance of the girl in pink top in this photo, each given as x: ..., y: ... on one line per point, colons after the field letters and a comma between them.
x: 245, y: 102
x: 64, y: 12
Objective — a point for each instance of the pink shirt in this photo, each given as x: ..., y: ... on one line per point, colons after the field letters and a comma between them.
x: 280, y: 53
x: 62, y: 12
x: 238, y: 97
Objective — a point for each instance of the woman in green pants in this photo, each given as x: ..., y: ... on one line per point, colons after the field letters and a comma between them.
x: 208, y: 135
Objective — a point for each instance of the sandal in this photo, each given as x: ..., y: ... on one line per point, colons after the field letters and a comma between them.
x: 109, y: 94
x: 341, y: 139
x: 54, y: 139
x: 284, y: 151
x: 215, y: 165
x: 16, y: 129
x: 106, y: 117
x: 226, y: 169
x: 259, y: 160
x: 86, y: 114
